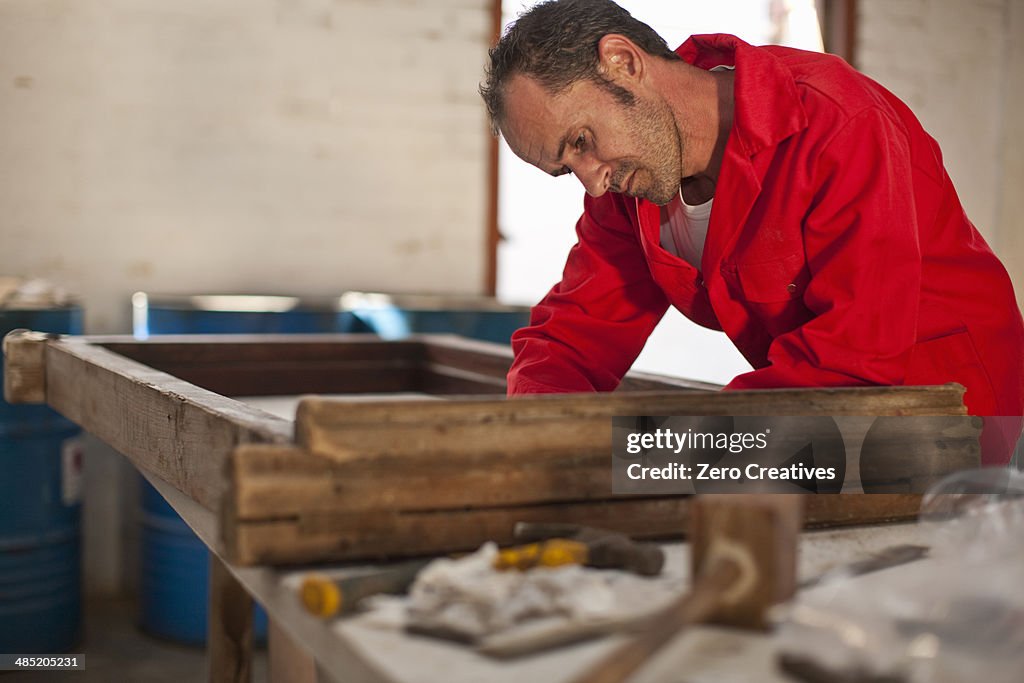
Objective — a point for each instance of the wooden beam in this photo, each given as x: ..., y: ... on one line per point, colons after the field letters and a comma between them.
x: 441, y: 380
x: 645, y: 381
x: 275, y: 481
x: 229, y: 632
x: 178, y: 431
x: 471, y: 355
x: 279, y: 365
x: 909, y: 458
x: 212, y: 349
x: 569, y: 424
x: 449, y: 353
x: 322, y: 537
x: 287, y: 661
x: 291, y: 378
x: 24, y: 366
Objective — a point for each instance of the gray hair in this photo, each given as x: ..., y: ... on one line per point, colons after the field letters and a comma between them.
x: 555, y: 43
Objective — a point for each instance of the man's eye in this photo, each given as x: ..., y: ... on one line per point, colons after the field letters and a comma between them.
x: 581, y: 141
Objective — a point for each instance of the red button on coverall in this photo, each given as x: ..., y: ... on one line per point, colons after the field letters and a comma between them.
x: 837, y: 254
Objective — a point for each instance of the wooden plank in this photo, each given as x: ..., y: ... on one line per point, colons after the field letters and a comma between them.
x: 494, y: 360
x: 569, y: 423
x: 766, y: 530
x: 213, y: 349
x: 845, y: 509
x: 388, y: 534
x: 253, y: 365
x: 896, y: 456
x: 385, y: 534
x: 229, y: 641
x: 176, y: 430
x: 291, y: 378
x: 443, y: 380
x: 288, y: 662
x: 236, y: 365
x: 646, y: 381
x: 24, y: 366
x: 278, y: 481
x: 472, y: 355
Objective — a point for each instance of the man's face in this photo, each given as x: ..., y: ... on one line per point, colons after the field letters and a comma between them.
x: 585, y: 130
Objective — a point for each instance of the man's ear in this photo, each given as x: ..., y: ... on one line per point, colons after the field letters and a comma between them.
x: 619, y: 57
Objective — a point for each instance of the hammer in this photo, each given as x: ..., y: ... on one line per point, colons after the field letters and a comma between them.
x: 557, y: 544
x: 743, y: 561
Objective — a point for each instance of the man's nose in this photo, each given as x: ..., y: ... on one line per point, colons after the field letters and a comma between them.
x: 595, y: 176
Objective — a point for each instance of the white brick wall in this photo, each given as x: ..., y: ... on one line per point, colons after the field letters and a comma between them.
x: 293, y: 146
x: 952, y: 62
x: 296, y: 146
x: 1011, y: 207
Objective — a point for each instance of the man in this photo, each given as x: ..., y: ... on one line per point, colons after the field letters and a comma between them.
x: 772, y: 193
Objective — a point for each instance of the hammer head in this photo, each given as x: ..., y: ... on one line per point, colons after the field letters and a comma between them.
x: 759, y: 534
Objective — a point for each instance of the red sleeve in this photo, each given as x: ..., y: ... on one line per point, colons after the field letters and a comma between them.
x: 586, y: 333
x: 861, y: 246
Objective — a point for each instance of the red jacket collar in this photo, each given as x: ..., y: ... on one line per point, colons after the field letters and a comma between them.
x: 768, y: 107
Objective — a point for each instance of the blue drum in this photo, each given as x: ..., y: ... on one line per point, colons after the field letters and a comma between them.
x: 40, y: 512
x: 175, y: 588
x: 393, y: 316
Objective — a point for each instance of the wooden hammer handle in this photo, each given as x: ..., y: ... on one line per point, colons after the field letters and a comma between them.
x: 696, y: 606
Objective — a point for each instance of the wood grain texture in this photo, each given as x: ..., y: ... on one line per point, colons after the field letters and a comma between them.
x: 400, y: 477
x: 282, y: 365
x: 494, y: 360
x: 393, y: 533
x: 178, y: 431
x: 230, y: 639
x: 253, y: 365
x: 279, y: 481
x: 292, y: 481
x: 909, y: 455
x: 287, y: 661
x: 647, y: 381
x: 323, y: 536
x: 765, y: 528
x: 25, y: 366
x: 485, y: 358
x: 569, y: 424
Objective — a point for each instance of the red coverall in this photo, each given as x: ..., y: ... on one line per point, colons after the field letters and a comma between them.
x: 837, y: 254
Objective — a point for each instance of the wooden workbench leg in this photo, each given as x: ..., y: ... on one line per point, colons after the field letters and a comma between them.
x: 229, y: 643
x: 288, y: 661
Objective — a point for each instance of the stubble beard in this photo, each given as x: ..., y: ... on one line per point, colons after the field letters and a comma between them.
x: 654, y: 132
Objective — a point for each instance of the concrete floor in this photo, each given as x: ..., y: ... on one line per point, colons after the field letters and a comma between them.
x: 116, y: 650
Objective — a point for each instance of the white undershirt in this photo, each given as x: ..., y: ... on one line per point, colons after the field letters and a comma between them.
x: 687, y: 228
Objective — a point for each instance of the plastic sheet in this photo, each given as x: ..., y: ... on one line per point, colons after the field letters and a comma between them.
x: 956, y: 616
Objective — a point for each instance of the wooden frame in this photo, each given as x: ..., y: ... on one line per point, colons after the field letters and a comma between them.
x: 393, y: 477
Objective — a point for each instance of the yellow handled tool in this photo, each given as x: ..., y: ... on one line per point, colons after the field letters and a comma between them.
x: 328, y: 597
x: 554, y: 552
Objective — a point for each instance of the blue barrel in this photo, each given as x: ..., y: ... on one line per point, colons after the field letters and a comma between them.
x: 175, y: 588
x: 239, y: 314
x: 393, y: 316
x: 40, y: 512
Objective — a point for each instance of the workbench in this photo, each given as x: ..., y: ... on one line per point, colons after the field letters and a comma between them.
x: 256, y: 491
x: 349, y: 650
